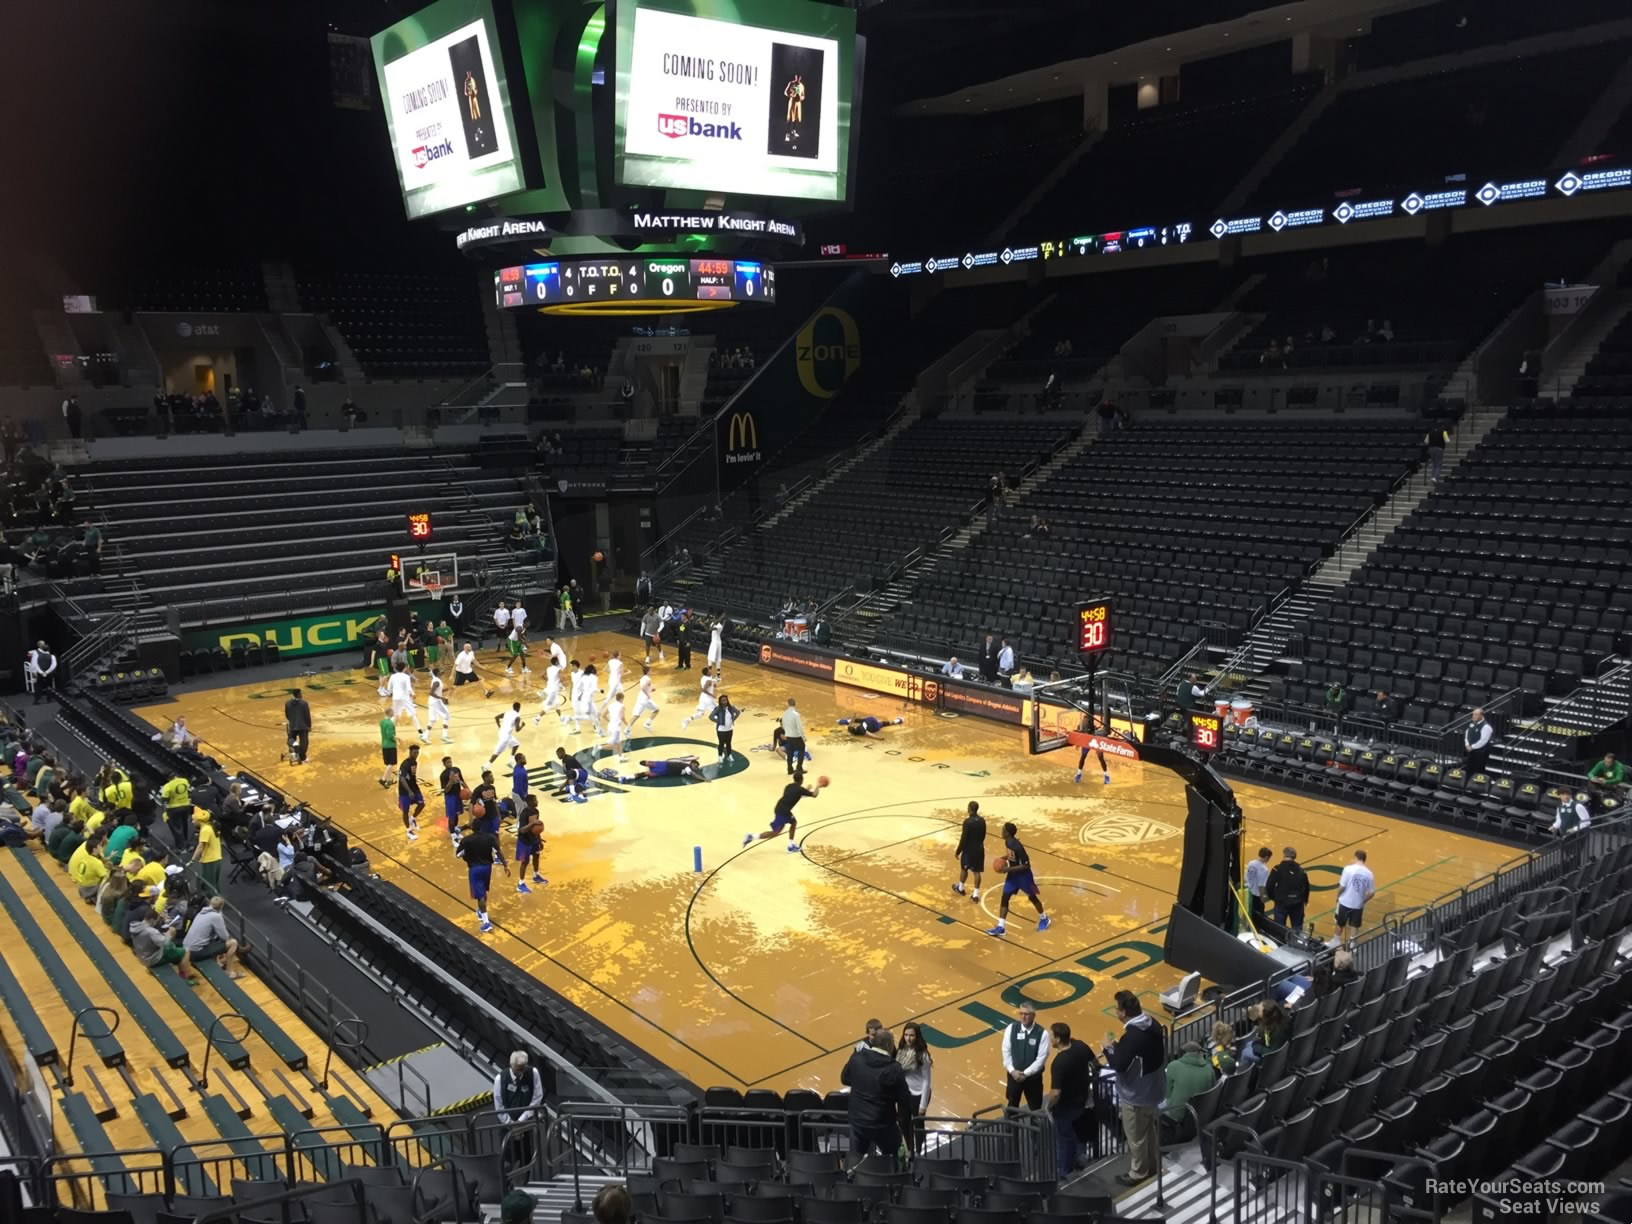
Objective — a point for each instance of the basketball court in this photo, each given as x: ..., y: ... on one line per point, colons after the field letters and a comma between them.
x: 761, y: 969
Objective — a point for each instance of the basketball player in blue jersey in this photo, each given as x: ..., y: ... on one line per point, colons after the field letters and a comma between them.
x: 1087, y: 724
x: 480, y: 850
x: 1018, y: 879
x: 690, y: 768
x: 577, y: 777
x: 869, y: 725
x: 783, y: 817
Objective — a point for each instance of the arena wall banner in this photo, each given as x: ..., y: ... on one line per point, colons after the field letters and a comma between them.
x: 305, y: 635
x: 794, y: 388
x: 979, y: 701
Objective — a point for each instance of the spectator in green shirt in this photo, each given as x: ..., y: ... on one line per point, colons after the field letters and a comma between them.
x: 65, y: 839
x: 121, y: 839
x: 1605, y: 776
x: 1335, y: 700
x: 1188, y: 1076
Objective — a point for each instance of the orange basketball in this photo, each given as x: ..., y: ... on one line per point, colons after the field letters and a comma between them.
x: 822, y: 781
x: 599, y: 556
x: 1000, y: 863
x: 464, y: 794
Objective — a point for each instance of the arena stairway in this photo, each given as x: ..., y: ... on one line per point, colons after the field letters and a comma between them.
x: 141, y: 1085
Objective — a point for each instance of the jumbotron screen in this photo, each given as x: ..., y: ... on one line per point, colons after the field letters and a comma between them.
x: 447, y: 107
x: 750, y: 97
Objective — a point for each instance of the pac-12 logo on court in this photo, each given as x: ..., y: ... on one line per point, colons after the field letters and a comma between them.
x: 1122, y: 829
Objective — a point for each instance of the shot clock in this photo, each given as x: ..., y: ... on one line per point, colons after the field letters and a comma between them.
x: 1206, y: 732
x: 419, y: 526
x: 1094, y: 626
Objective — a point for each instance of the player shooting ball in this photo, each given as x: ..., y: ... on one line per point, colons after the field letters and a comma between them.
x: 783, y: 817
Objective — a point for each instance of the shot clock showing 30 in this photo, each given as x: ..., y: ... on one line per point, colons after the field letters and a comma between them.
x: 1094, y: 626
x: 419, y: 526
x: 1206, y: 732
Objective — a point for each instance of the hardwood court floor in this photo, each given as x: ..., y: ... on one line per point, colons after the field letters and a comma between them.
x: 762, y: 970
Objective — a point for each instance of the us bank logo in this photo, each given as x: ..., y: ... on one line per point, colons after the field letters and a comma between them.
x: 742, y: 439
x: 827, y: 351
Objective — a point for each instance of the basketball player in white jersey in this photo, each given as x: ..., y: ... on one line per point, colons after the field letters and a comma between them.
x: 552, y: 691
x: 569, y: 712
x: 400, y: 688
x: 645, y: 703
x: 501, y: 623
x: 716, y: 646
x: 436, y: 707
x: 518, y: 619
x: 583, y: 702
x: 509, y: 723
x: 614, y: 677
x: 616, y: 730
x: 705, y: 699
x: 557, y: 654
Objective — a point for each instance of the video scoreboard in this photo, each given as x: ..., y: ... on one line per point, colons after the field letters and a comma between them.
x: 645, y: 280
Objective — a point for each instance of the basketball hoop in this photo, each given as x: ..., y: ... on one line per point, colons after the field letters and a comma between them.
x: 428, y: 581
x: 433, y: 588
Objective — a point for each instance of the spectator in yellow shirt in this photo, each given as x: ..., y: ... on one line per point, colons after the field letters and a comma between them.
x: 145, y: 877
x: 93, y: 822
x: 87, y: 870
x: 207, y: 857
x: 79, y: 807
x: 178, y: 809
x: 118, y: 792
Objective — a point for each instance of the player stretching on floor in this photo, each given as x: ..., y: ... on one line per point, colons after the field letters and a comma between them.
x: 436, y: 707
x: 577, y: 782
x: 645, y: 703
x: 705, y: 699
x: 673, y: 767
x: 480, y: 850
x: 409, y: 799
x: 552, y: 690
x: 1016, y: 863
x: 971, y: 851
x: 783, y: 815
x: 869, y: 725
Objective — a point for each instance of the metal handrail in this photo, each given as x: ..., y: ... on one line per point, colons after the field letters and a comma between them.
x: 1538, y: 730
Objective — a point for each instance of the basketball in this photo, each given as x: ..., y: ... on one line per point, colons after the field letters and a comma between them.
x: 464, y: 794
x: 1000, y: 863
x: 598, y: 557
x: 822, y: 781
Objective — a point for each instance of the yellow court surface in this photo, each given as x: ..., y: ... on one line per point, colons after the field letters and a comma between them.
x: 762, y: 969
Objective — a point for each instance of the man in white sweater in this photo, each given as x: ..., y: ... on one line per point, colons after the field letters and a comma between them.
x: 793, y: 735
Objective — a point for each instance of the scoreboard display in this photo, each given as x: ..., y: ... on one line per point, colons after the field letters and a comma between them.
x: 1093, y: 626
x: 633, y: 280
x: 1206, y: 732
x: 419, y: 526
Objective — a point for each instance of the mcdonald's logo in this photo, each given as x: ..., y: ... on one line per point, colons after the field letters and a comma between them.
x: 742, y: 439
x: 824, y: 366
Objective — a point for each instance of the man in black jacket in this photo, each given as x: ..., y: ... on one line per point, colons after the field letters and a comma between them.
x: 299, y: 717
x: 1288, y: 888
x: 682, y: 642
x: 878, y: 1092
